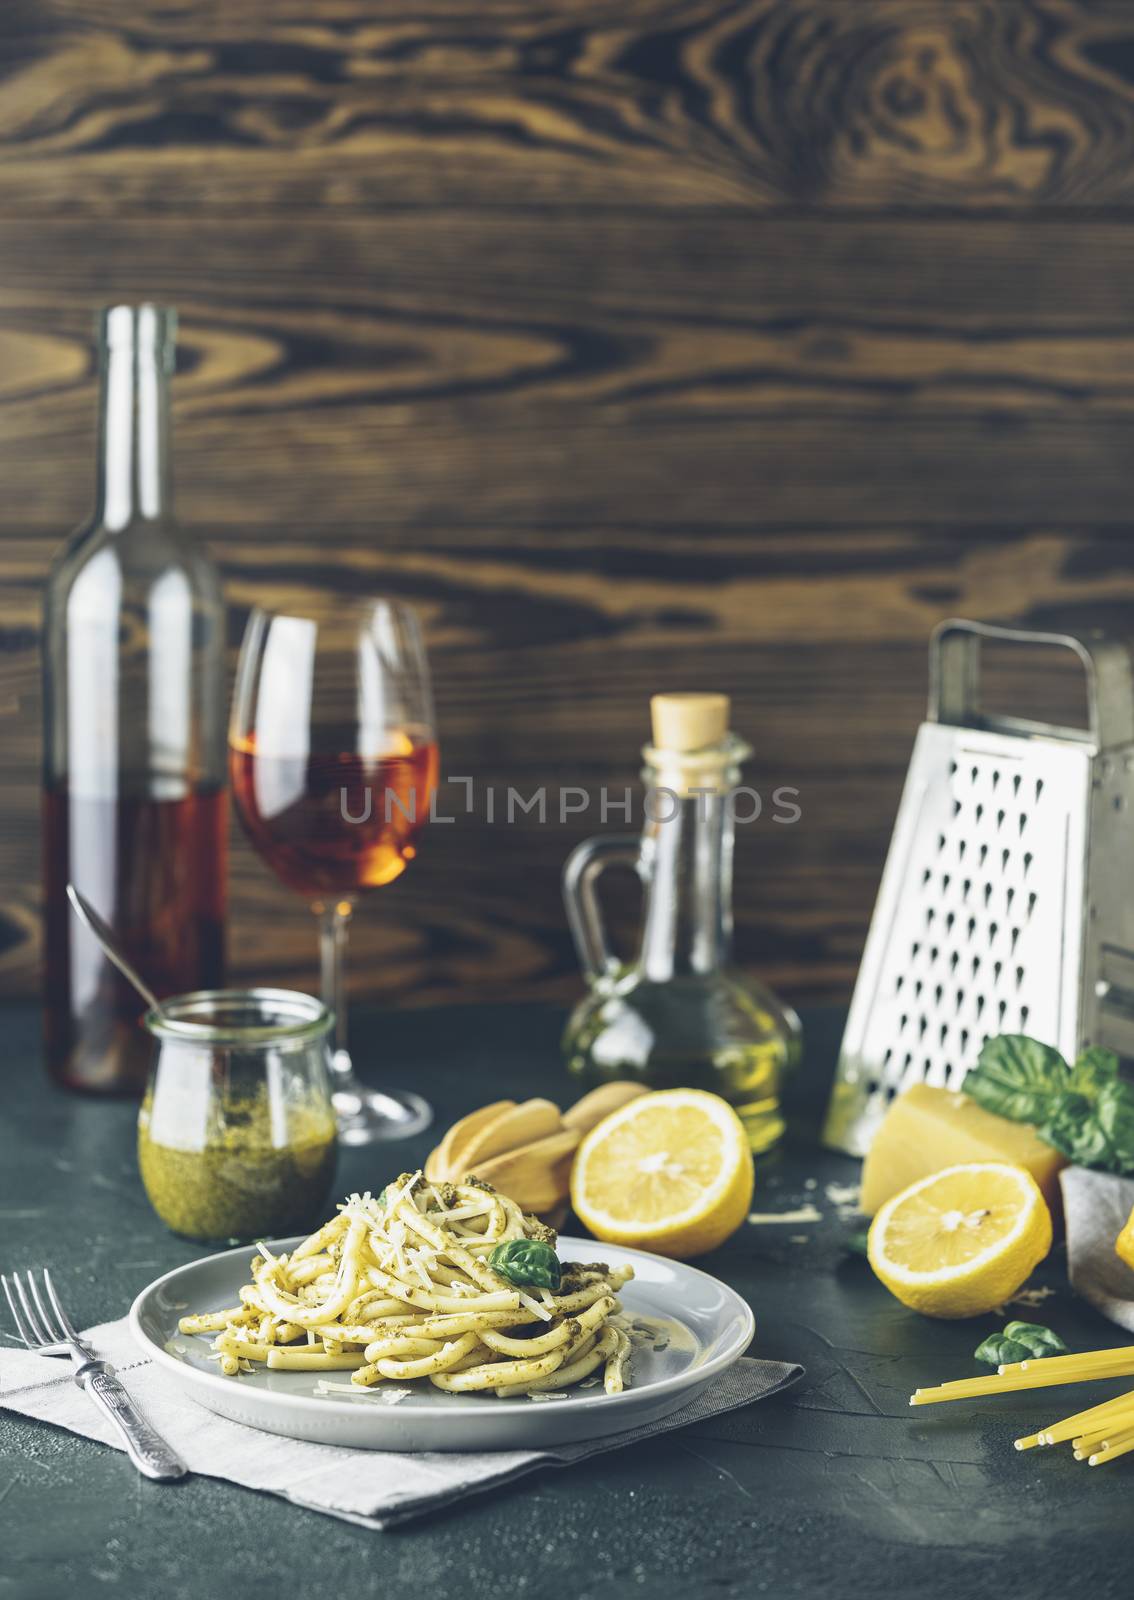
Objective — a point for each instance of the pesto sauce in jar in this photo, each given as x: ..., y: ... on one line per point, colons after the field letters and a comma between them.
x: 238, y: 1185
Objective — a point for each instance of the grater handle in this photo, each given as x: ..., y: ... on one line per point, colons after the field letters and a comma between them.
x: 954, y: 680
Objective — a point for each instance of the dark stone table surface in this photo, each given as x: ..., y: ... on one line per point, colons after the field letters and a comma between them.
x: 835, y: 1489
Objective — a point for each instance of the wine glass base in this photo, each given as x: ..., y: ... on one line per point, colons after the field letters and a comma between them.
x: 371, y: 1116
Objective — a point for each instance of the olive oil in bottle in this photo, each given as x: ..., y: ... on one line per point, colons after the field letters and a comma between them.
x: 679, y: 1015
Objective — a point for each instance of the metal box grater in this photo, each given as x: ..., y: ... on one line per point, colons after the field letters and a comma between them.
x: 1007, y: 899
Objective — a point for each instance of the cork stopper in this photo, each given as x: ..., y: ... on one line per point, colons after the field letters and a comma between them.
x: 683, y: 722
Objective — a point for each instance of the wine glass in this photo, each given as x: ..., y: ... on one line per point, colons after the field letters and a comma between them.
x: 334, y: 764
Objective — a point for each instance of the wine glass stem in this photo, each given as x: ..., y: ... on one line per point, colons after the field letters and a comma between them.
x: 334, y: 920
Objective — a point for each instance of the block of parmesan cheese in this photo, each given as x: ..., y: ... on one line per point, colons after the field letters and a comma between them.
x: 927, y: 1129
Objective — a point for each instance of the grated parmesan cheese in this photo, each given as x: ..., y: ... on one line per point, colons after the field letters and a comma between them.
x: 383, y: 1394
x: 533, y: 1305
x: 417, y: 1261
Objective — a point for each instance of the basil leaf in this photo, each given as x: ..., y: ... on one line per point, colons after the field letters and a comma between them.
x: 1017, y: 1077
x: 527, y: 1263
x: 855, y: 1242
x: 1073, y: 1129
x: 996, y: 1350
x: 1114, y: 1109
x: 1040, y: 1340
x: 1094, y: 1067
x: 1019, y: 1341
x: 1086, y: 1112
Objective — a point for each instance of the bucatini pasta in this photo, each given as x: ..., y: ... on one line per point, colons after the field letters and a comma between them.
x: 447, y: 1282
x: 1097, y: 1435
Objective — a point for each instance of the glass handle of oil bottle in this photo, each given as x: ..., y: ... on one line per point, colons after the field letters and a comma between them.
x: 679, y: 1015
x: 580, y: 896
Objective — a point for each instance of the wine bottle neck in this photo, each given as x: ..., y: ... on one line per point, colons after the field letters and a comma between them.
x: 134, y: 467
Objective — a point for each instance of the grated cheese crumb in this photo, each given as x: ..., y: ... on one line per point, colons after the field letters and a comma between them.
x: 533, y: 1305
x: 383, y: 1394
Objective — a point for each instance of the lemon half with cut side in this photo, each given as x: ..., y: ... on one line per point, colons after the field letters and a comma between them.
x: 670, y: 1171
x: 962, y: 1241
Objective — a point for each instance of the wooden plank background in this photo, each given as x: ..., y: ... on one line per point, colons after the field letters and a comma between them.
x: 640, y: 343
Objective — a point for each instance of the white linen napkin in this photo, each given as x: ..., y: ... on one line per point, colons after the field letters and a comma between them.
x: 375, y: 1488
x: 1096, y: 1206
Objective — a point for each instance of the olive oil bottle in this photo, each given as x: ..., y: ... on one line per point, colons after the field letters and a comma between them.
x: 679, y: 1015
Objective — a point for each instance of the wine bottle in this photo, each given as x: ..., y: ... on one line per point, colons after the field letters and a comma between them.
x: 134, y: 806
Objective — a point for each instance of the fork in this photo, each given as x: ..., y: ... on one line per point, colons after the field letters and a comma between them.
x: 50, y: 1332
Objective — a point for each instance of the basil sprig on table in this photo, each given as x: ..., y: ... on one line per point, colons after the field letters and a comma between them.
x: 527, y: 1263
x: 1085, y: 1111
x: 1019, y: 1341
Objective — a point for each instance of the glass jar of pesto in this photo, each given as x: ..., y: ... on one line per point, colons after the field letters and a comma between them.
x: 236, y: 1134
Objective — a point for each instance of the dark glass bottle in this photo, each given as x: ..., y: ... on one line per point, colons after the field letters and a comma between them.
x: 134, y: 806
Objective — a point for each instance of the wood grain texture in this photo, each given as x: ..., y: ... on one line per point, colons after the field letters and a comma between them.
x: 349, y: 103
x: 673, y: 343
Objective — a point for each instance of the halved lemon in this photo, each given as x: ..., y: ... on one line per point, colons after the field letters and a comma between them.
x: 669, y: 1172
x: 962, y: 1241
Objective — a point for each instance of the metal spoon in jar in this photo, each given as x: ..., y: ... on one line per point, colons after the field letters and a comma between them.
x: 91, y: 920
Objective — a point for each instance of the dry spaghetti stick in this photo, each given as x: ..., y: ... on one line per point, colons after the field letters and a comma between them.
x: 1094, y: 1416
x: 1105, y: 1440
x: 1087, y: 1360
x: 1103, y: 1428
x: 1069, y: 1426
x: 1104, y: 1456
x: 972, y: 1388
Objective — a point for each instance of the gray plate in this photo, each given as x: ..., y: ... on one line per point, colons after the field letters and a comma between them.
x: 695, y: 1327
